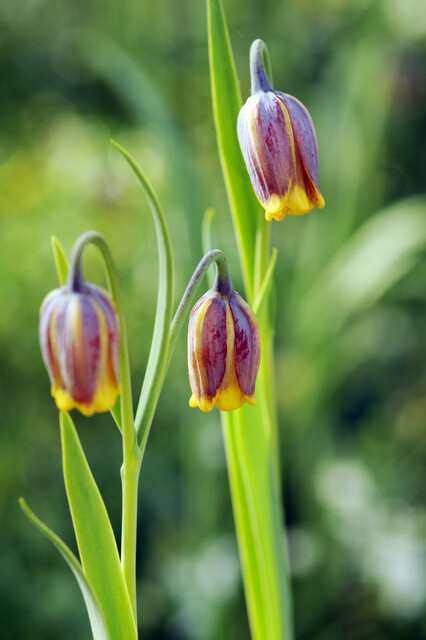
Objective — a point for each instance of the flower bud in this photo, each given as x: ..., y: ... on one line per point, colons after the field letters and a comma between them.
x: 279, y: 146
x: 223, y: 352
x: 79, y: 340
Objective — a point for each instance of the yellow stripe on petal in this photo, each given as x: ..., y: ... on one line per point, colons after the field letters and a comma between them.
x: 229, y: 396
x: 197, y: 381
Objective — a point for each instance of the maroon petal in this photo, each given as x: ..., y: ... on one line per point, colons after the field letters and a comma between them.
x: 207, y: 347
x: 304, y: 135
x: 107, y: 308
x: 265, y: 142
x: 247, y: 344
x: 78, y: 347
x: 47, y: 310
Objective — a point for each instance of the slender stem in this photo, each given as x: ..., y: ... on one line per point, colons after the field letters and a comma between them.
x: 262, y: 253
x: 260, y: 67
x: 222, y: 276
x: 131, y: 454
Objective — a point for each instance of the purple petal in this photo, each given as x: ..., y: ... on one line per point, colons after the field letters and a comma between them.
x: 78, y: 347
x: 266, y: 145
x: 304, y: 135
x: 207, y: 347
x: 106, y: 305
x: 247, y: 344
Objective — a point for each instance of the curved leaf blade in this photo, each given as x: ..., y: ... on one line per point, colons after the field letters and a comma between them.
x: 61, y: 262
x: 96, y: 617
x: 95, y: 537
x: 158, y: 356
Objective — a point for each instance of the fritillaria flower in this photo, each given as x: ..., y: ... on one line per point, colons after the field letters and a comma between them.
x: 79, y: 340
x: 223, y: 351
x: 279, y: 146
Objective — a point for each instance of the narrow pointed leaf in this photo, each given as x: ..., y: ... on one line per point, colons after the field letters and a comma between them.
x: 96, y: 617
x: 226, y: 105
x: 157, y: 361
x: 61, y: 262
x: 266, y: 283
x: 95, y: 537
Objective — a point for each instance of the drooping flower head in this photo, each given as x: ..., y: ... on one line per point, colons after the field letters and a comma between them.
x: 223, y: 350
x: 79, y: 341
x: 279, y: 146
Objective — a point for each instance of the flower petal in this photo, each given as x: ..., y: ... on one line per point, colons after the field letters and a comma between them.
x: 247, y: 346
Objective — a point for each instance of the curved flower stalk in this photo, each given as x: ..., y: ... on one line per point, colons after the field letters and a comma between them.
x: 279, y: 146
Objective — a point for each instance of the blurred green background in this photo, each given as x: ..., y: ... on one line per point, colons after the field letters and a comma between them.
x: 350, y: 343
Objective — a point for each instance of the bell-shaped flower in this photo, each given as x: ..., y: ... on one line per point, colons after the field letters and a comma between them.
x: 79, y: 340
x: 279, y: 146
x: 223, y: 351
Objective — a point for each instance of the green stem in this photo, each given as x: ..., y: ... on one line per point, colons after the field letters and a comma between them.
x: 188, y: 297
x: 132, y: 460
x: 131, y: 454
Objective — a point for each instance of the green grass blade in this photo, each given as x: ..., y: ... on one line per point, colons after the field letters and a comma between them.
x: 95, y: 537
x: 226, y: 105
x: 61, y: 262
x: 96, y: 617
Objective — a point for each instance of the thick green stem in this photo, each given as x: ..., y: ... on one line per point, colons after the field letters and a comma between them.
x: 252, y: 453
x: 130, y: 481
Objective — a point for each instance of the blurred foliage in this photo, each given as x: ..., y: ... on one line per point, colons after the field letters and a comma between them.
x: 350, y: 306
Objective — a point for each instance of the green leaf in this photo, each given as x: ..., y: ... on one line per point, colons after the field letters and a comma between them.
x: 158, y: 356
x: 95, y: 537
x: 266, y: 283
x: 61, y: 262
x: 226, y: 105
x: 116, y: 413
x: 96, y: 617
